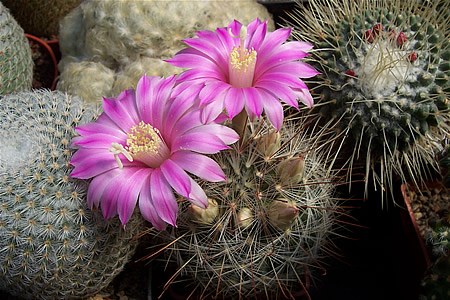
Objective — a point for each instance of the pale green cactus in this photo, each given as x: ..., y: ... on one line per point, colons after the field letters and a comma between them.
x: 261, y: 233
x: 51, y: 244
x: 16, y: 63
x: 133, y: 37
x: 385, y: 68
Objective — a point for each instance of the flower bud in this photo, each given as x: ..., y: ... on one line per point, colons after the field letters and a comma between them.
x: 282, y: 213
x: 269, y: 143
x: 244, y: 218
x: 291, y: 170
x: 205, y: 215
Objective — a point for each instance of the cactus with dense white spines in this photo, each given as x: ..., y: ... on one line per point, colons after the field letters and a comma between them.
x: 51, y: 244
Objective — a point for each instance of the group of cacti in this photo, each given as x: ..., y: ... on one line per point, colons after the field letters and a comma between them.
x: 383, y: 91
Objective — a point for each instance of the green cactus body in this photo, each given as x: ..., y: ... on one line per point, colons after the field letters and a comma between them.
x: 266, y: 228
x: 51, y: 244
x: 385, y: 68
x: 16, y: 63
x: 133, y: 37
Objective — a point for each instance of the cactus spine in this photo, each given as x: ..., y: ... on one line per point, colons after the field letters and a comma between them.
x: 268, y: 226
x: 385, y: 67
x: 51, y: 244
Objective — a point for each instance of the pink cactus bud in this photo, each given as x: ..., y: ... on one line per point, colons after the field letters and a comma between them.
x: 377, y: 29
x: 412, y: 57
x: 401, y: 39
x: 350, y: 73
x: 369, y: 36
x: 291, y: 170
x: 282, y: 213
x: 205, y: 215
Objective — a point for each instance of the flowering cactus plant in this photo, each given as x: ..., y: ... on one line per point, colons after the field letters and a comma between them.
x: 249, y: 69
x: 271, y: 192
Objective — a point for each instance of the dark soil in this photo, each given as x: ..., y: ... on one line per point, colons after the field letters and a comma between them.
x: 44, y: 69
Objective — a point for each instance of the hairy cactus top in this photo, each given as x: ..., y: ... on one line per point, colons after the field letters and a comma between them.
x: 51, y: 244
x: 385, y: 68
x: 16, y: 63
x: 268, y: 226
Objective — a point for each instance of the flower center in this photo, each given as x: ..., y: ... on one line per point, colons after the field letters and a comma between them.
x: 242, y: 62
x: 144, y: 144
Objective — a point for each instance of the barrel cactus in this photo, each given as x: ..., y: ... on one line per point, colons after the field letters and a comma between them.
x: 266, y: 230
x: 130, y: 38
x: 51, y: 244
x: 385, y: 69
x: 16, y: 63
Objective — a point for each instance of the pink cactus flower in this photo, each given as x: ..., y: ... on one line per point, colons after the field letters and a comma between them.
x: 246, y: 68
x: 140, y: 148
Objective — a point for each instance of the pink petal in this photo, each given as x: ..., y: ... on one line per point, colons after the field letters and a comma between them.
x: 95, y: 127
x: 305, y: 96
x: 234, y: 102
x: 210, y: 49
x: 162, y: 91
x: 199, y: 165
x: 282, y: 78
x: 177, y: 178
x: 128, y: 196
x: 144, y: 97
x: 273, y: 109
x: 207, y: 143
x: 226, y: 134
x: 111, y: 193
x: 99, y: 140
x: 212, y: 111
x: 192, y: 58
x: 253, y: 100
x: 91, y: 162
x: 274, y: 39
x: 197, y: 195
x: 235, y: 27
x: 227, y: 40
x: 294, y: 68
x: 99, y: 184
x: 258, y: 36
x: 163, y: 199
x: 211, y: 91
x: 125, y: 116
x: 202, y: 74
x: 282, y: 55
x: 283, y: 92
x: 148, y: 209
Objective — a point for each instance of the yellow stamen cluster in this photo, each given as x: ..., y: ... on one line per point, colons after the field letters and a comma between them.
x: 143, y: 144
x: 143, y: 138
x: 242, y: 59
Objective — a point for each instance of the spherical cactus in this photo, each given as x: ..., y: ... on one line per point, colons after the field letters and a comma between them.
x: 16, y: 63
x: 40, y: 17
x: 385, y: 68
x: 51, y: 244
x: 267, y: 228
x: 122, y: 33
